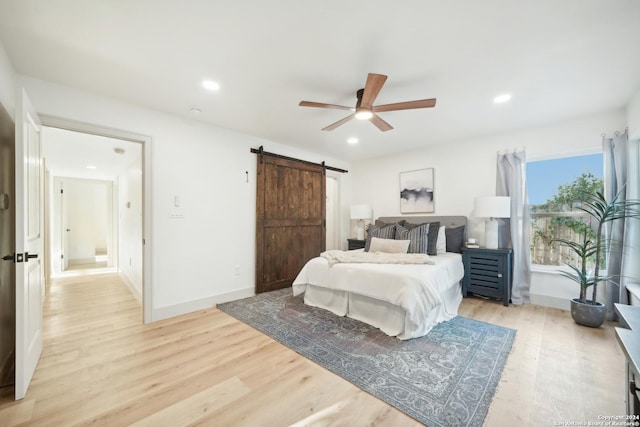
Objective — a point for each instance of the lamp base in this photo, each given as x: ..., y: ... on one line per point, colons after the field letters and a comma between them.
x: 491, y: 234
x: 360, y: 233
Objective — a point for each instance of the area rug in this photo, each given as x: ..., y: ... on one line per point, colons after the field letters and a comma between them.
x: 446, y: 378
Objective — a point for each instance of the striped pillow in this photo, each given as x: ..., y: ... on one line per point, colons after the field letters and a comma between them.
x: 385, y: 232
x: 422, y: 238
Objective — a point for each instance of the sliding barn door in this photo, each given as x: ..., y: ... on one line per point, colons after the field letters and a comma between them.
x: 290, y: 213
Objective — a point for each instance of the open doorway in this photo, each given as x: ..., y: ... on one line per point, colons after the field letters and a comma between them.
x: 95, y: 220
x: 84, y: 229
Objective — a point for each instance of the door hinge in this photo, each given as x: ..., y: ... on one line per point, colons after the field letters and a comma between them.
x: 61, y: 256
x: 61, y: 191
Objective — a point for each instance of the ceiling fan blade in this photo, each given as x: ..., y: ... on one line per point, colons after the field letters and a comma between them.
x: 372, y: 89
x: 409, y: 105
x: 380, y: 124
x: 323, y: 105
x: 332, y: 126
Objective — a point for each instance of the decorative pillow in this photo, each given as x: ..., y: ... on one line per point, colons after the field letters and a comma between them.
x: 441, y: 245
x: 432, y: 248
x: 385, y: 232
x: 410, y: 225
x: 382, y: 223
x: 390, y: 246
x: 418, y: 237
x: 455, y: 239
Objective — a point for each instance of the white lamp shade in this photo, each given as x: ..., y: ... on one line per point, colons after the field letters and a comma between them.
x: 360, y: 212
x: 493, y: 207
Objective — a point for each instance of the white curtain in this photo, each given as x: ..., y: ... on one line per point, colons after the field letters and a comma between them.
x: 514, y: 232
x: 621, y: 168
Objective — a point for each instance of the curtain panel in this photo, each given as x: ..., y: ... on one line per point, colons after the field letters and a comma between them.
x: 514, y: 231
x: 621, y: 168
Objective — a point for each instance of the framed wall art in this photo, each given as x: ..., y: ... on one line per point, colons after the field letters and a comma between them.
x: 416, y: 191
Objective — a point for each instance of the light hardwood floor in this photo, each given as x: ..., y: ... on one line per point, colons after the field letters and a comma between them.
x: 101, y: 366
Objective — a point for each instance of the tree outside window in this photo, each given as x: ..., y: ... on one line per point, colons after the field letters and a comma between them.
x: 558, y: 217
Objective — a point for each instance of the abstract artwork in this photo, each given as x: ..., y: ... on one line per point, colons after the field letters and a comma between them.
x: 416, y: 191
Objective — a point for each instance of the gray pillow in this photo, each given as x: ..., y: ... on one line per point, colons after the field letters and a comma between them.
x: 418, y: 238
x: 384, y: 232
x: 382, y: 223
x: 423, y: 237
x: 455, y: 238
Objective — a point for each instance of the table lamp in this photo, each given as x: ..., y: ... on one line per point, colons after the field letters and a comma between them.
x: 360, y: 212
x: 492, y: 207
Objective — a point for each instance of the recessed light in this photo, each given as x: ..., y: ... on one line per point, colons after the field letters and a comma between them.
x: 352, y: 140
x: 502, y: 98
x: 210, y: 85
x: 118, y: 150
x: 91, y: 167
x: 195, y: 110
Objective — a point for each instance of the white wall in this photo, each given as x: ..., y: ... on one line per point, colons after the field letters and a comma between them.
x: 633, y: 115
x: 7, y: 83
x: 193, y: 258
x: 130, y: 226
x: 467, y: 169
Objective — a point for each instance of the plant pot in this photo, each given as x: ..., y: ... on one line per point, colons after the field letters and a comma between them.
x: 588, y: 314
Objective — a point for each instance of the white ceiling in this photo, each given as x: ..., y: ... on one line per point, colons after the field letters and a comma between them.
x: 68, y: 154
x: 559, y: 59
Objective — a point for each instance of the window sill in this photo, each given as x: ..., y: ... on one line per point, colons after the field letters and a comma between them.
x: 555, y: 269
x: 549, y: 269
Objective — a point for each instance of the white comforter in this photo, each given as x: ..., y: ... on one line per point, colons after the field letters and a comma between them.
x: 415, y: 288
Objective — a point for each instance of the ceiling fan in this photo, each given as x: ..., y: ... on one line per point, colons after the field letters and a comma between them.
x: 365, y: 110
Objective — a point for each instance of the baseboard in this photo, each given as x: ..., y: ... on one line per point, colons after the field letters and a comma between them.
x: 136, y: 293
x: 7, y: 376
x: 201, y: 304
x: 549, y: 301
x: 80, y: 261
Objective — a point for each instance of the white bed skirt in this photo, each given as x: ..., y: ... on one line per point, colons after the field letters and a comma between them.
x: 389, y: 318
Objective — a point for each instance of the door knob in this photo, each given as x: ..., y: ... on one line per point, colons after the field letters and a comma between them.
x: 68, y: 229
x: 29, y: 256
x: 8, y: 257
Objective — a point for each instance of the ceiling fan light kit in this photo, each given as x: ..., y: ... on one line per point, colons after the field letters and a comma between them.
x: 365, y: 110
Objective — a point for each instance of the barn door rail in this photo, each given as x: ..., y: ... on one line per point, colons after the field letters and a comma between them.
x: 260, y: 151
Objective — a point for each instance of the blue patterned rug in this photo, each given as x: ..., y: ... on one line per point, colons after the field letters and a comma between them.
x: 446, y: 378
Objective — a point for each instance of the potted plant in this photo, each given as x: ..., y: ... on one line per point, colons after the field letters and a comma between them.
x: 591, y: 312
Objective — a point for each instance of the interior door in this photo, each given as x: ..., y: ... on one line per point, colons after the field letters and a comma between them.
x: 290, y: 215
x: 29, y: 225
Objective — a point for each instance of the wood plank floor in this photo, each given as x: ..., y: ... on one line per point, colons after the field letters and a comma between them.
x: 101, y: 366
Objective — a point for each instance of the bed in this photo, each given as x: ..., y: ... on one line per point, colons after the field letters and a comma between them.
x: 402, y: 300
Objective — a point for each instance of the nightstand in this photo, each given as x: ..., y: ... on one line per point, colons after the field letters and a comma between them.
x: 356, y: 244
x: 487, y: 272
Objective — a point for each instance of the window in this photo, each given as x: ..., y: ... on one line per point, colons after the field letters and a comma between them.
x: 556, y: 188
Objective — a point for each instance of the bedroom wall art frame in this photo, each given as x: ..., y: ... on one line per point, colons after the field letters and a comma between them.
x: 417, y: 191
